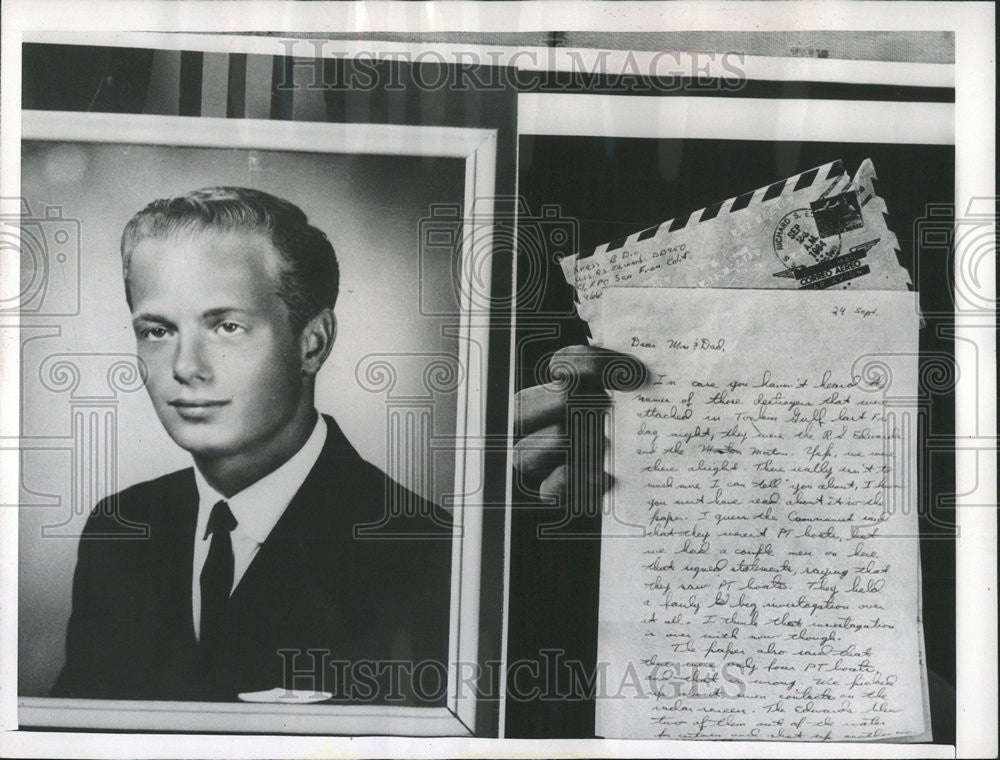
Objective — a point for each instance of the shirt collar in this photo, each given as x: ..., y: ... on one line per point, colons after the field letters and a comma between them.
x: 258, y: 507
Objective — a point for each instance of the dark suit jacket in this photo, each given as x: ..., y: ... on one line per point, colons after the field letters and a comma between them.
x: 364, y: 602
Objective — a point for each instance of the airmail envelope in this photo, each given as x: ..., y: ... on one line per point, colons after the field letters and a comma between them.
x: 820, y: 229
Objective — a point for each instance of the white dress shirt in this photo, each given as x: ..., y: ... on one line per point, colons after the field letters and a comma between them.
x: 256, y: 508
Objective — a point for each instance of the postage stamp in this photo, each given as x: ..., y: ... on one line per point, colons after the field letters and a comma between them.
x: 837, y: 214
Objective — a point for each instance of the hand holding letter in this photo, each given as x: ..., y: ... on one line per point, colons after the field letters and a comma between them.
x: 547, y: 456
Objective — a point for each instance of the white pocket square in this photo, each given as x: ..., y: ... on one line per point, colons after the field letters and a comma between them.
x: 285, y: 696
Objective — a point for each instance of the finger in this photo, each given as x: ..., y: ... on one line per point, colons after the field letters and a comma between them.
x: 578, y: 371
x: 552, y: 404
x: 554, y: 489
x: 589, y: 486
x: 536, y: 455
x: 588, y: 367
x: 538, y: 406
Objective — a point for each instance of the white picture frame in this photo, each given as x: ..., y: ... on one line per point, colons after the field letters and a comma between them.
x: 477, y: 148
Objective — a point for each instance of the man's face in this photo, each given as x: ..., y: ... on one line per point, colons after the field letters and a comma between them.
x: 224, y: 368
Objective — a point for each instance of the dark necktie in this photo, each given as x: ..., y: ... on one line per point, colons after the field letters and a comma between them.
x: 217, y: 574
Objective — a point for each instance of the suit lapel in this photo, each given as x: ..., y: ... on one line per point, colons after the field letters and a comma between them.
x: 315, y: 516
x: 172, y: 525
x: 172, y: 529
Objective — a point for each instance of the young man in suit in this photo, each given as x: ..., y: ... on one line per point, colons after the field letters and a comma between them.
x: 282, y: 558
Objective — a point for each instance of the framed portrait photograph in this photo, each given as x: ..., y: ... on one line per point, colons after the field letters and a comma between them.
x: 376, y: 522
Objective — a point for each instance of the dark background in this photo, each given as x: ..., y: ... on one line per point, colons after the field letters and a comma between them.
x: 613, y: 187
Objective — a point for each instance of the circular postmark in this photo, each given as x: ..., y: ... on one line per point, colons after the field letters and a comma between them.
x: 797, y: 243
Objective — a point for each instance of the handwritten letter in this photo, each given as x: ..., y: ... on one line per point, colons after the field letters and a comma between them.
x: 760, y: 567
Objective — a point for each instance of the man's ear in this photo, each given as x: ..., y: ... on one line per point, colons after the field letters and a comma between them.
x: 316, y: 341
